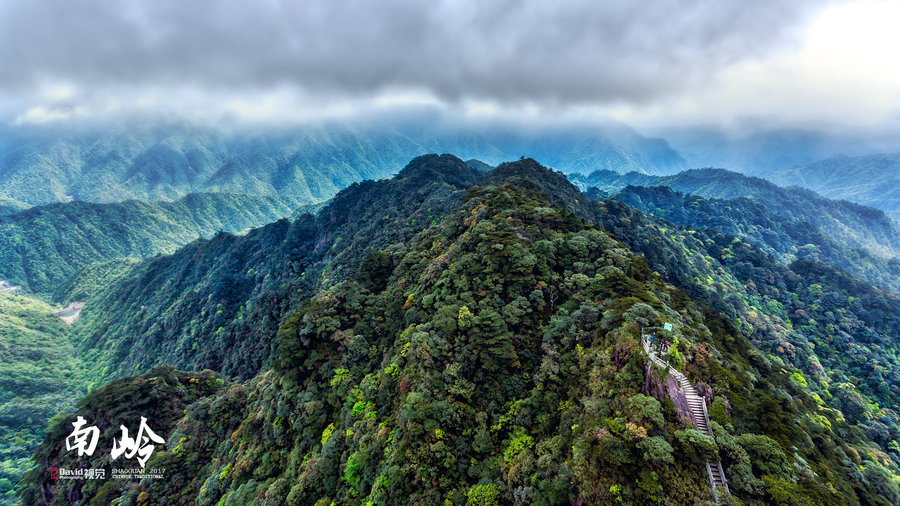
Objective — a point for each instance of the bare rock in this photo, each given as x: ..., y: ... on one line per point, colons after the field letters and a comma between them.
x: 660, y: 390
x: 679, y: 399
x: 704, y: 391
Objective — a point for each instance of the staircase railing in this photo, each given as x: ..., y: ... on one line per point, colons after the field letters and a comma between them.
x: 724, y: 479
x: 645, y: 342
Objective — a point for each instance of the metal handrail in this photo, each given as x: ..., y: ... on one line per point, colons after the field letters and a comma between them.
x: 705, y: 416
x: 645, y: 343
x: 724, y: 479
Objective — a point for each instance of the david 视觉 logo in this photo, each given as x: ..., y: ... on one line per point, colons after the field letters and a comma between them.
x: 62, y: 473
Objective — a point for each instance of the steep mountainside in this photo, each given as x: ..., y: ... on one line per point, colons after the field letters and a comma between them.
x: 42, y: 246
x: 836, y: 333
x: 448, y: 336
x: 872, y: 180
x: 40, y: 375
x: 311, y: 163
x: 217, y: 304
x: 846, y: 222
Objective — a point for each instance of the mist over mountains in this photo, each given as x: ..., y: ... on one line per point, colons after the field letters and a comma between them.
x: 42, y: 164
x: 761, y: 150
x: 310, y: 163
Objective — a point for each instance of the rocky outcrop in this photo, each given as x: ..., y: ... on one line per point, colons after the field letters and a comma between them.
x: 668, y: 389
x: 71, y: 312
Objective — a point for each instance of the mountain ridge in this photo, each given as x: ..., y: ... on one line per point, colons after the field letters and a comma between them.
x: 844, y: 221
x: 872, y: 180
x: 785, y: 239
x: 41, y: 246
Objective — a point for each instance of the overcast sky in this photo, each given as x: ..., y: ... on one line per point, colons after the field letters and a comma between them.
x: 647, y: 63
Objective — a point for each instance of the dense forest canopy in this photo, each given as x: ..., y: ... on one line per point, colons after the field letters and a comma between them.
x: 784, y: 238
x: 850, y: 223
x: 40, y: 374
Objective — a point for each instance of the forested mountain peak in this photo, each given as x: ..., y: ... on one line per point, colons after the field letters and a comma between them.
x: 525, y: 169
x: 440, y: 168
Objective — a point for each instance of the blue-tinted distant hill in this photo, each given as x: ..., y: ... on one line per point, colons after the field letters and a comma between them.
x: 872, y: 180
x: 760, y: 152
x: 309, y: 163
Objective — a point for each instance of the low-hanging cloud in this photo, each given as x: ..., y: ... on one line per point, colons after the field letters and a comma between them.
x: 553, y: 52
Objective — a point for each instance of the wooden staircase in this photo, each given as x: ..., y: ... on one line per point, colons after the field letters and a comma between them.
x: 699, y: 416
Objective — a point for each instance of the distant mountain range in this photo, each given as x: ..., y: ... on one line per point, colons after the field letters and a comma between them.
x: 311, y: 163
x: 763, y: 151
x: 844, y: 167
x: 784, y: 238
x: 873, y: 180
x: 852, y: 224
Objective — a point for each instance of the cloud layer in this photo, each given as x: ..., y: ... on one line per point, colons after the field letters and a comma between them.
x: 64, y: 58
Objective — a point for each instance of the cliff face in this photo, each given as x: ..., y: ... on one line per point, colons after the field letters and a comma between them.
x: 668, y: 389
